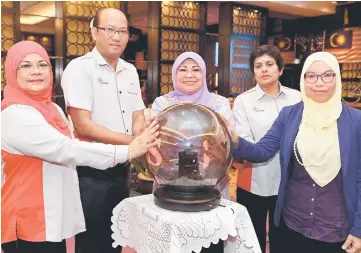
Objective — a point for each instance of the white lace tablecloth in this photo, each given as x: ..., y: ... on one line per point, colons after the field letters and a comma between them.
x: 139, y: 223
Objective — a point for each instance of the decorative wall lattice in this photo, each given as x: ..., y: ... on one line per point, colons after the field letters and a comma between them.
x: 79, y: 40
x: 166, y: 78
x: 247, y: 29
x: 351, y: 70
x: 77, y: 25
x: 181, y: 14
x: 351, y: 92
x: 88, y: 9
x: 3, y: 79
x: 7, y: 33
x: 7, y: 30
x: 180, y: 29
x: 247, y: 21
x: 351, y: 82
x: 275, y: 26
x: 173, y: 43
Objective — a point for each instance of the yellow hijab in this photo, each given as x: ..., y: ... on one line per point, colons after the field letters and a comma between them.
x: 317, y: 138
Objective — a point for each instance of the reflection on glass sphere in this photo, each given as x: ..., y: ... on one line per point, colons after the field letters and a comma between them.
x: 193, y: 151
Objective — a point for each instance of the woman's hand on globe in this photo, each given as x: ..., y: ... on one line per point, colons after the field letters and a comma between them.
x: 232, y: 130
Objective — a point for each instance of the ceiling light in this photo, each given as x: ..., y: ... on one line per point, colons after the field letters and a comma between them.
x: 31, y: 20
x: 38, y: 13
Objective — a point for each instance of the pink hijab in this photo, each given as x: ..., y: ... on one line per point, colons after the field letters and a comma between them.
x: 13, y: 94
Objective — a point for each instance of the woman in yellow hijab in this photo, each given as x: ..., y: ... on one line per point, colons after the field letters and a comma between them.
x: 319, y: 139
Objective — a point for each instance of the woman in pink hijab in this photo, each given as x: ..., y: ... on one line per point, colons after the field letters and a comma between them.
x: 40, y: 202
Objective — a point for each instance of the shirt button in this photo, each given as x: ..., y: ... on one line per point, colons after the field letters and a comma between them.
x: 120, y: 92
x: 123, y: 111
x: 311, y: 213
x: 312, y: 199
x: 313, y: 185
x: 127, y: 131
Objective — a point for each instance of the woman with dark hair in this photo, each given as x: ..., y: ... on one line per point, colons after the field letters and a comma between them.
x: 318, y: 206
x: 254, y: 111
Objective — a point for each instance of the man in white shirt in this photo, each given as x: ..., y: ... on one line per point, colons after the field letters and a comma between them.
x: 103, y: 98
x: 255, y: 111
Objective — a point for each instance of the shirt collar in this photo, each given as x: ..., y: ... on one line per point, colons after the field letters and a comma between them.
x: 101, y: 61
x: 261, y: 93
x: 283, y: 89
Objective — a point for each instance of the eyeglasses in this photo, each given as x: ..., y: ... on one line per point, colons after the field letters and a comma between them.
x: 194, y: 72
x: 26, y: 67
x: 110, y: 31
x: 325, y: 77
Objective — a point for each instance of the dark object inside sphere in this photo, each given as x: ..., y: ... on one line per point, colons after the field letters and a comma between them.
x: 191, y: 158
x: 188, y: 164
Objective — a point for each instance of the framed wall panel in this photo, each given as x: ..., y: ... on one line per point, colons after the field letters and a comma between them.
x: 181, y: 29
x: 76, y: 17
x: 248, y: 32
x: 241, y: 77
x: 10, y: 32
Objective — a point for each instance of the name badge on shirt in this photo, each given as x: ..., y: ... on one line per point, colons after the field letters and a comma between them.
x: 257, y: 109
x: 101, y: 81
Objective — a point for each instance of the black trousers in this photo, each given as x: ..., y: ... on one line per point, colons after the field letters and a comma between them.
x: 100, y: 192
x: 297, y: 243
x: 21, y: 246
x: 258, y: 207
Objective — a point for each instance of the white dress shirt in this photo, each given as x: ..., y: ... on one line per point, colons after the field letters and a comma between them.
x: 38, y: 167
x: 111, y: 96
x: 254, y: 113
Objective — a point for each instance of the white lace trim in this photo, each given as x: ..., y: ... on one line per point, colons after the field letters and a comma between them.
x: 139, y: 223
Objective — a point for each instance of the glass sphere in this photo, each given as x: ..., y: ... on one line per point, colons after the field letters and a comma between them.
x: 194, y: 148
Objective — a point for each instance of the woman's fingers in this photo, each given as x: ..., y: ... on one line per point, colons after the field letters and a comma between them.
x: 152, y: 124
x: 153, y: 137
x: 228, y: 123
x: 150, y: 145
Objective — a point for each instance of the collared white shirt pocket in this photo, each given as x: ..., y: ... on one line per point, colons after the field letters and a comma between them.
x: 260, y: 118
x: 129, y: 99
x: 132, y: 89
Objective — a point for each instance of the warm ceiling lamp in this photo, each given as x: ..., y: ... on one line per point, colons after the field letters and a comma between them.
x: 38, y: 13
x: 32, y: 20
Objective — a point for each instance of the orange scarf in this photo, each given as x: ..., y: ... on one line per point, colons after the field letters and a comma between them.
x: 13, y: 94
